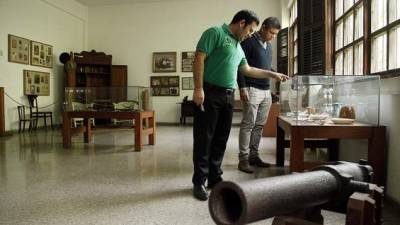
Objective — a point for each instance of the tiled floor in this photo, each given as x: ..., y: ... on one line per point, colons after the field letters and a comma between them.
x: 106, y: 182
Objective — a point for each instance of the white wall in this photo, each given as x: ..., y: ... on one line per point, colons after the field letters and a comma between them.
x: 60, y: 23
x: 131, y: 32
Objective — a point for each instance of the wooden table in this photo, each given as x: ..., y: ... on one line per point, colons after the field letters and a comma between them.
x: 301, y: 130
x: 139, y: 116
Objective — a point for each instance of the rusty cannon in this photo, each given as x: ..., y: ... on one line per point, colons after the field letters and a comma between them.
x: 329, y: 186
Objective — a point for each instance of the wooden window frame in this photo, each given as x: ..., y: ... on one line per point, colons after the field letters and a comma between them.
x: 354, y: 42
x: 366, y: 38
x: 386, y: 29
x: 292, y: 42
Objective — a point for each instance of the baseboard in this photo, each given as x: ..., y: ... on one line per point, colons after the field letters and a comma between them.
x: 6, y: 134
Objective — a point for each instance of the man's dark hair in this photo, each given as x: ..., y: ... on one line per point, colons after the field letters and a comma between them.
x: 272, y: 22
x: 247, y: 15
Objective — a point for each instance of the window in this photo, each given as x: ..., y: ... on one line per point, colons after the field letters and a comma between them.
x: 358, y: 58
x: 349, y: 37
x: 385, y: 36
x: 293, y: 39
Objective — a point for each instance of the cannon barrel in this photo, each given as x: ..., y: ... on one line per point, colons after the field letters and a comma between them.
x: 249, y: 201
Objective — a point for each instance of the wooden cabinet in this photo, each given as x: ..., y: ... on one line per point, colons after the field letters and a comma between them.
x: 93, y: 69
x: 119, y: 78
x: 270, y: 126
x: 119, y: 75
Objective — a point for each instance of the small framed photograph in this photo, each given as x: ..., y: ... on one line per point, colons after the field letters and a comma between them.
x: 174, y: 91
x: 18, y: 49
x: 164, y: 85
x: 156, y: 91
x: 187, y: 61
x: 173, y: 81
x: 164, y: 62
x: 155, y: 81
x: 164, y: 91
x: 36, y: 83
x: 187, y: 83
x: 165, y: 81
x: 41, y: 54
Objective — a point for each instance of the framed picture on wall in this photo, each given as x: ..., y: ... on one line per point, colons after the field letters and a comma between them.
x: 41, y: 54
x: 187, y: 61
x: 18, y: 49
x: 36, y: 83
x: 187, y: 83
x: 164, y: 62
x: 164, y: 85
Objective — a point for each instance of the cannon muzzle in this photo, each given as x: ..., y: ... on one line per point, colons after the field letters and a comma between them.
x: 249, y: 201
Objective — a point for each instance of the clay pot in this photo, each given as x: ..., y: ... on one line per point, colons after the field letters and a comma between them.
x: 347, y: 112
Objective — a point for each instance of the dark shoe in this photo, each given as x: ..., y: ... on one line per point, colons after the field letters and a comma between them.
x: 258, y: 162
x: 200, y: 192
x: 211, y: 183
x: 245, y: 167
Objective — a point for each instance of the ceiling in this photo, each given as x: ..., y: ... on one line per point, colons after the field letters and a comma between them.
x: 116, y: 2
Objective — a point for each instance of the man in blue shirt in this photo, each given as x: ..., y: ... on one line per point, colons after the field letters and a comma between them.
x: 255, y: 94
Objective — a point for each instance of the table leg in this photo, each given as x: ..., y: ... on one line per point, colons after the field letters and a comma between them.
x: 66, y: 131
x: 296, y: 150
x: 87, y: 135
x: 280, y: 146
x: 152, y: 136
x: 333, y: 149
x: 45, y: 121
x: 138, y: 132
x: 376, y: 154
x: 51, y: 121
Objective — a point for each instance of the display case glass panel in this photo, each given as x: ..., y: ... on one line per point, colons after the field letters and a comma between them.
x: 131, y: 98
x: 323, y: 99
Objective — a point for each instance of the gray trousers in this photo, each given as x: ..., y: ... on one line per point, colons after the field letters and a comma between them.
x: 255, y: 113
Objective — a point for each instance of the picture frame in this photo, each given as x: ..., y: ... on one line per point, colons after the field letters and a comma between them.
x: 164, y: 85
x: 18, y: 49
x: 187, y: 61
x: 164, y: 62
x: 41, y: 54
x: 187, y: 83
x: 36, y: 83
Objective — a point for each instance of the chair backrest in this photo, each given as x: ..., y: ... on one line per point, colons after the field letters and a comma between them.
x: 33, y: 104
x: 21, y: 112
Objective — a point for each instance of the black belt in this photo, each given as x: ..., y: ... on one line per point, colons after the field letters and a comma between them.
x: 215, y: 88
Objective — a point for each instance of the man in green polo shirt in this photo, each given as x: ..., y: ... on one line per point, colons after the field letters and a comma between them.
x: 218, y: 57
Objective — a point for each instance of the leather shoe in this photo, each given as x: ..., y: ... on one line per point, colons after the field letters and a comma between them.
x: 258, y: 162
x: 245, y: 167
x: 211, y: 183
x: 199, y: 192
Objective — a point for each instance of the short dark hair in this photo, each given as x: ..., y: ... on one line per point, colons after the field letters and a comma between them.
x: 247, y: 15
x: 272, y: 22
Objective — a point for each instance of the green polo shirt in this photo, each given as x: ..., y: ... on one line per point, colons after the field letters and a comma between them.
x: 224, y: 56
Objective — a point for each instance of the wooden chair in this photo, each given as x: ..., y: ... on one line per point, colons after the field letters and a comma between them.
x: 23, y: 118
x: 41, y: 114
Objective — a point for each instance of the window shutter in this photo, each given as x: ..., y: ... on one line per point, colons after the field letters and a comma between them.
x: 282, y: 56
x: 311, y: 37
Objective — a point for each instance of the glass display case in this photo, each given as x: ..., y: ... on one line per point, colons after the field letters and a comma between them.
x: 331, y: 99
x: 131, y: 98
